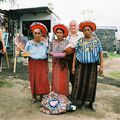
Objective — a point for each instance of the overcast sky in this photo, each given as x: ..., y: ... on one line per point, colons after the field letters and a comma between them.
x: 102, y: 12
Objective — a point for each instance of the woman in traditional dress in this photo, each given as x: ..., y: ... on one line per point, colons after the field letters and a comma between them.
x: 37, y: 62
x: 60, y: 82
x: 88, y: 52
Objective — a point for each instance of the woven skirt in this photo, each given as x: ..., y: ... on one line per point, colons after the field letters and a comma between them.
x: 84, y: 89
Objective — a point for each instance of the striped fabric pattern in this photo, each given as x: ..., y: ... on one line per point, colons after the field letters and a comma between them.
x: 85, y: 84
x: 87, y: 51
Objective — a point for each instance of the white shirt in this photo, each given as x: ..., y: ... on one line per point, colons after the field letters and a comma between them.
x: 72, y: 39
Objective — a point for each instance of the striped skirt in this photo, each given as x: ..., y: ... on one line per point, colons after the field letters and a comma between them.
x: 60, y: 82
x: 38, y: 76
x: 84, y: 89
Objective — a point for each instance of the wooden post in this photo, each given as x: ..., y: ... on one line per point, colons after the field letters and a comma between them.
x: 15, y: 61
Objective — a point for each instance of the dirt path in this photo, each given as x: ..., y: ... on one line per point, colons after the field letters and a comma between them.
x: 15, y: 98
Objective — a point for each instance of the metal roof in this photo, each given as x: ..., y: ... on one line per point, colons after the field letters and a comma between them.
x: 31, y: 10
x: 107, y: 27
x: 34, y: 10
x: 4, y: 11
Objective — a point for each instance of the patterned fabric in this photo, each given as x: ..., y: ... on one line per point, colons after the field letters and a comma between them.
x: 72, y: 40
x: 38, y: 76
x: 37, y: 50
x: 59, y: 69
x: 60, y: 83
x: 87, y: 51
x: 54, y: 103
x: 85, y: 82
x: 58, y: 46
x: 37, y: 25
x: 58, y: 55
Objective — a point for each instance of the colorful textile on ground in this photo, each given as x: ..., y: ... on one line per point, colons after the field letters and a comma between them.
x: 54, y: 103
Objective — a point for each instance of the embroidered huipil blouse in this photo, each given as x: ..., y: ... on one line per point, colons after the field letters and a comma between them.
x: 58, y: 46
x: 87, y: 51
x: 37, y: 50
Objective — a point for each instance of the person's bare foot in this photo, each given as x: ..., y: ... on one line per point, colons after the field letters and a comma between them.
x: 34, y: 100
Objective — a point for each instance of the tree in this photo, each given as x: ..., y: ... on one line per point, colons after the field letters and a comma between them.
x: 7, y: 0
x: 11, y: 1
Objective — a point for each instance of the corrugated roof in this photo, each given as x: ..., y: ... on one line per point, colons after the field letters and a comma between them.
x: 21, y: 11
x: 107, y: 27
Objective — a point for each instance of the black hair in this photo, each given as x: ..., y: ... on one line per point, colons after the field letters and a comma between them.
x: 87, y: 26
x: 60, y: 29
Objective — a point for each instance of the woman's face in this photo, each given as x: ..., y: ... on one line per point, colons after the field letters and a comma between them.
x: 73, y: 27
x: 59, y: 34
x: 87, y: 31
x: 37, y: 34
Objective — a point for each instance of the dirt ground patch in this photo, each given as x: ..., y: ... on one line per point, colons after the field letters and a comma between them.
x: 15, y: 97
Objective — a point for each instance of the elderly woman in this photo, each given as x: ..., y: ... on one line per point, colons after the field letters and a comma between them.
x: 37, y: 62
x: 60, y: 83
x: 72, y: 39
x: 88, y: 52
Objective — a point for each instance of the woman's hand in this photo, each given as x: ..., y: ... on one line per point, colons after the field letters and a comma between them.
x: 25, y: 54
x: 101, y: 70
x: 17, y: 53
x: 73, y: 70
x: 51, y: 54
x: 4, y: 50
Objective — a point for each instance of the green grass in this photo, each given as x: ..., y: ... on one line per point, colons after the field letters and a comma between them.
x: 4, y: 83
x: 113, y: 55
x: 114, y: 75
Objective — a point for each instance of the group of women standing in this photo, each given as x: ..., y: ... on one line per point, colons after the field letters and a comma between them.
x: 87, y: 52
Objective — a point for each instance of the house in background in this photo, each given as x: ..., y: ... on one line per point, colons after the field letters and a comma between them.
x: 23, y: 18
x: 107, y: 36
x: 19, y: 20
x: 117, y: 43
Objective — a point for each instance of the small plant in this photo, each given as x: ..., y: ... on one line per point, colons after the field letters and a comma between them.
x: 115, y: 75
x: 113, y: 55
x: 4, y: 83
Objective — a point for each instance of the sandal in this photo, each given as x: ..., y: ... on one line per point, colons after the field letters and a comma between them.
x: 34, y: 100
